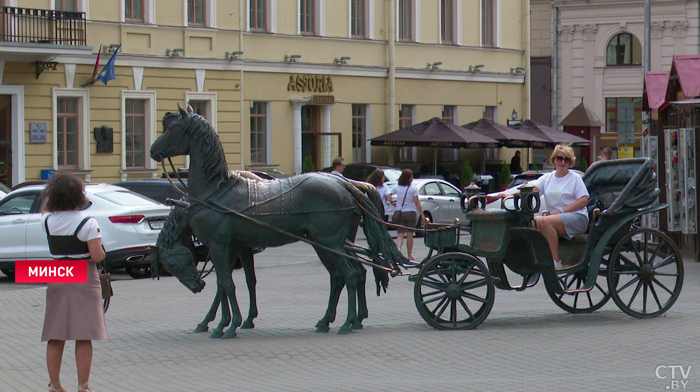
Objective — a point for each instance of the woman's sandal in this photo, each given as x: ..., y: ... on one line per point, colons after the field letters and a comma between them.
x: 56, y: 387
x: 85, y: 388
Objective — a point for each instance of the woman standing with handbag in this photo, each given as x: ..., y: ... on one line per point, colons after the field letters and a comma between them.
x: 73, y: 310
x: 407, y: 202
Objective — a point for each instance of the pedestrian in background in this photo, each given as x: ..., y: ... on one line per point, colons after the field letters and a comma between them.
x: 606, y: 154
x: 73, y: 310
x: 377, y: 179
x: 338, y: 166
x: 515, y: 163
x: 409, y: 205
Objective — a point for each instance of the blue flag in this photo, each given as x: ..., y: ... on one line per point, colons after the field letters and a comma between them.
x: 107, y: 73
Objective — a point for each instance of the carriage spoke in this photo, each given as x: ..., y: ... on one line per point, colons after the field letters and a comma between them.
x: 628, y: 284
x: 666, y: 261
x: 656, y: 297
x: 453, y: 311
x: 474, y: 284
x: 466, y: 308
x: 634, y: 295
x: 436, y: 285
x: 442, y: 308
x: 662, y: 286
x: 644, y: 298
x: 441, y: 297
x: 474, y: 297
x: 465, y: 274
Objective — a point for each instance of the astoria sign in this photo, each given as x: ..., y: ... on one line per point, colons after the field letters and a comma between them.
x: 310, y: 83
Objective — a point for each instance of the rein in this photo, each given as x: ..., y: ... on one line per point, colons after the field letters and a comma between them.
x: 226, y: 210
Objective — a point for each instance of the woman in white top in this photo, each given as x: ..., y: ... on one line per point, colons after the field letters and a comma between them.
x: 565, y: 197
x: 377, y: 179
x: 407, y: 201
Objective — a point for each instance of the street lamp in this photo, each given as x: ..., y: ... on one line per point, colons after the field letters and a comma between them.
x: 514, y: 115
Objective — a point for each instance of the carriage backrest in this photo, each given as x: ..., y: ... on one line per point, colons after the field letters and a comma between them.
x: 622, y: 185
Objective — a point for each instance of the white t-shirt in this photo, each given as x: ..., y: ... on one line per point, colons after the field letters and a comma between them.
x: 401, y: 193
x: 561, y: 192
x: 65, y: 223
x: 383, y: 190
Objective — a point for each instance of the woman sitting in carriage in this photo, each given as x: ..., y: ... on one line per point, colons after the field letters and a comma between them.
x: 566, y: 198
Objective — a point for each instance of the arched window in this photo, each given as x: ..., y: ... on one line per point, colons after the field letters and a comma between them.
x: 624, y: 49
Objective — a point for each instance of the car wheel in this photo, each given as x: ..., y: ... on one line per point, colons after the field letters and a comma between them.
x: 10, y: 273
x: 144, y: 271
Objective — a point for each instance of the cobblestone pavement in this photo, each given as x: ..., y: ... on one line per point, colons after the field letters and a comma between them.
x: 526, y: 344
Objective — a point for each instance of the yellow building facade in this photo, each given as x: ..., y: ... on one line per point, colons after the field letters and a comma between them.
x: 284, y: 82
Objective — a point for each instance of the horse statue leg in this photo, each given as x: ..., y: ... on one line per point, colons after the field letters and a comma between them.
x: 211, y: 315
x: 337, y: 285
x: 246, y: 255
x: 362, y: 312
x: 221, y: 258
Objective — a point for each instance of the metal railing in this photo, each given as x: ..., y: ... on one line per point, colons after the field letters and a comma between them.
x: 42, y: 26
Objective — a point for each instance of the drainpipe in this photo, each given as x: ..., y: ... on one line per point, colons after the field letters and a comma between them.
x: 391, y: 38
x: 242, y: 103
x: 647, y: 35
x: 527, y: 64
x: 555, y: 64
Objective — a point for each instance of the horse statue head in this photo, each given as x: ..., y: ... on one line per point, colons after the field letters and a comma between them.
x: 175, y: 251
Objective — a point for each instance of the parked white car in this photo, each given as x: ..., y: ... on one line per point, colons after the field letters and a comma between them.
x: 130, y: 224
x: 439, y: 199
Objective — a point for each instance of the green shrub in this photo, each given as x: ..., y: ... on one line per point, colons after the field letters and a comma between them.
x: 533, y: 166
x: 584, y: 164
x: 504, y: 175
x: 467, y: 174
x: 308, y: 165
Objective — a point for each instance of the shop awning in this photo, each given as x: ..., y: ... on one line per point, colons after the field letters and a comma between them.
x: 510, y: 137
x: 434, y: 133
x: 656, y: 83
x: 553, y: 135
x: 688, y: 70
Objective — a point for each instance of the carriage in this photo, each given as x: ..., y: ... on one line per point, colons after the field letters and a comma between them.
x: 639, y: 268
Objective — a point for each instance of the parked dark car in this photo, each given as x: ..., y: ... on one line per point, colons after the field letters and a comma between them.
x: 157, y: 190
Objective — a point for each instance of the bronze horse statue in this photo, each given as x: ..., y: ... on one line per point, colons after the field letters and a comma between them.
x: 229, y: 210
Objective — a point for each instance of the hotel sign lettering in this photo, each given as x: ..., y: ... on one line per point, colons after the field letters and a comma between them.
x: 322, y: 99
x: 393, y: 143
x: 310, y: 83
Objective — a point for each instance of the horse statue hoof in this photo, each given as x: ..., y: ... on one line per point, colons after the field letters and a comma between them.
x: 247, y: 325
x: 357, y: 325
x: 322, y: 329
x: 201, y: 328
x: 230, y: 334
x: 344, y: 330
x: 216, y: 334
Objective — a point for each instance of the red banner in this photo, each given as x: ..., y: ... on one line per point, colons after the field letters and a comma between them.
x: 51, y: 271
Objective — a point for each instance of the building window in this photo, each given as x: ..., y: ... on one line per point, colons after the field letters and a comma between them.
x: 449, y: 115
x: 405, y: 20
x: 307, y: 17
x: 406, y: 120
x: 133, y: 10
x: 195, y: 12
x: 357, y: 18
x: 67, y: 5
x: 258, y: 15
x: 488, y: 23
x: 623, y: 115
x: 200, y: 107
x: 624, y: 49
x: 135, y: 135
x: 71, y: 137
x: 447, y: 28
x: 359, y: 133
x: 258, y: 133
x: 67, y: 133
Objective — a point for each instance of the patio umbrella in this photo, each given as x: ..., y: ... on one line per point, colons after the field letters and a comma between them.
x: 435, y: 133
x: 510, y: 137
x: 553, y: 135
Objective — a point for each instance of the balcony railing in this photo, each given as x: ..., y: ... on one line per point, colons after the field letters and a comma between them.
x: 42, y: 26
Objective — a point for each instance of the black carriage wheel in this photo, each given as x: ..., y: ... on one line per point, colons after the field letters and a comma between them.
x: 645, y: 276
x: 588, y: 301
x: 454, y: 291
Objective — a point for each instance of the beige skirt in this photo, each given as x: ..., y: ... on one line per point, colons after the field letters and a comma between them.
x: 74, y: 310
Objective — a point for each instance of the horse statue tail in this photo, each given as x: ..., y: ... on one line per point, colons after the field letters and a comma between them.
x: 381, y: 245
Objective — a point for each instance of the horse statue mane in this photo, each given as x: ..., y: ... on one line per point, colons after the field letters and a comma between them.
x: 207, y: 141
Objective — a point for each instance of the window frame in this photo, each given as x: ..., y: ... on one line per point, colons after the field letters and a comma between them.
x: 149, y: 12
x: 83, y: 137
x: 359, y: 154
x: 191, y: 13
x: 254, y: 9
x: 61, y: 118
x: 491, y: 40
x: 636, y: 114
x: 404, y: 5
x: 444, y: 17
x: 62, y: 5
x: 129, y: 5
x: 266, y: 131
x: 633, y: 40
x: 80, y: 6
x: 150, y: 125
x: 209, y: 14
x: 302, y: 24
x: 365, y: 18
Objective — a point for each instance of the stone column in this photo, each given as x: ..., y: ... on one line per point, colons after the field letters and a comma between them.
x: 326, y: 152
x: 296, y: 130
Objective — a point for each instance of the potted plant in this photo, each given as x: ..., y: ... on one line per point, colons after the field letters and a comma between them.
x: 467, y: 174
x: 308, y: 165
x: 504, y: 177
